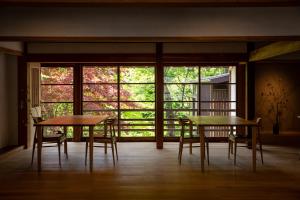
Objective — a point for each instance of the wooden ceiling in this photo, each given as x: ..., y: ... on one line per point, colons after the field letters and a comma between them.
x: 200, y: 3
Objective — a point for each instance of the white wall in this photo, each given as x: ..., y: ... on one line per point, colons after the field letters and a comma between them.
x: 8, y: 101
x: 149, y: 22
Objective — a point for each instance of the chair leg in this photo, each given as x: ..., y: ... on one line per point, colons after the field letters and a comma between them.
x: 86, y: 150
x: 207, y: 152
x: 116, y: 149
x: 235, y: 148
x: 33, y: 149
x: 229, y: 147
x: 59, y: 160
x: 191, y: 148
x: 105, y: 148
x: 66, y: 148
x: 180, y: 152
x: 261, y: 152
x: 113, y: 152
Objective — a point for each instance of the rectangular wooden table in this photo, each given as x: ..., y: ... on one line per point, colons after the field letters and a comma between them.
x: 204, y: 121
x: 75, y: 120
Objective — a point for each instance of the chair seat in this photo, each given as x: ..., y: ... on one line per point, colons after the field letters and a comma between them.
x: 238, y: 138
x: 54, y: 138
x: 100, y: 136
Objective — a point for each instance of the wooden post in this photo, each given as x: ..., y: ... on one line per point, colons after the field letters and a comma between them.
x: 91, y: 137
x: 159, y: 93
x: 250, y: 90
x: 77, y: 98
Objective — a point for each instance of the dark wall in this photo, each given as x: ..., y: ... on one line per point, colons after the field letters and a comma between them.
x: 278, y: 83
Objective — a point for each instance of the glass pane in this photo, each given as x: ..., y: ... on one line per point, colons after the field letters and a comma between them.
x: 215, y: 74
x: 56, y: 93
x: 180, y: 105
x: 50, y: 110
x: 137, y: 133
x: 180, y: 92
x: 219, y: 106
x: 218, y: 92
x: 137, y: 75
x: 178, y: 114
x: 137, y: 105
x: 56, y: 75
x: 149, y: 122
x: 109, y: 113
x: 218, y: 113
x: 97, y: 106
x: 184, y: 74
x: 100, y: 92
x: 96, y: 74
x: 137, y: 114
x: 137, y: 92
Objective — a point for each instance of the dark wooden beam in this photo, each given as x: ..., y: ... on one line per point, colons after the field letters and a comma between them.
x: 199, y: 3
x: 274, y: 49
x: 10, y: 51
x: 205, y: 57
x: 140, y: 58
x: 151, y: 39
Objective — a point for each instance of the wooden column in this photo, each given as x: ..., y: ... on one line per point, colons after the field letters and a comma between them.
x: 241, y: 93
x: 159, y: 94
x: 250, y: 73
x: 77, y: 73
x: 22, y: 102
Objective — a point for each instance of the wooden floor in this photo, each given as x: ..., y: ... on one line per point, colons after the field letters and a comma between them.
x: 143, y: 172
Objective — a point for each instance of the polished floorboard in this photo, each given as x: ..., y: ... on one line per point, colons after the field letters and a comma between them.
x: 144, y: 172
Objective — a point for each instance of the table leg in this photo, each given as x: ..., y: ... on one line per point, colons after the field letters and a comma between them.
x: 91, y: 136
x: 202, y: 147
x: 39, y: 147
x: 254, y: 151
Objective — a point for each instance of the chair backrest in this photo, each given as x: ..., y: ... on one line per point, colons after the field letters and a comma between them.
x: 183, y: 123
x: 258, y: 121
x: 36, y: 114
x: 109, y: 127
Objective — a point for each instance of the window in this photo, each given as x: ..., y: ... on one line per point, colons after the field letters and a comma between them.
x: 127, y: 92
x: 57, y: 92
x: 137, y: 101
x: 193, y: 90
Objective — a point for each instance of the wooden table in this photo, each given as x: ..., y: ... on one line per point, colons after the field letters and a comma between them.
x: 202, y: 121
x: 75, y: 120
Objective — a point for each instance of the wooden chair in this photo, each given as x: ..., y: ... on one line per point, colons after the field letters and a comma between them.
x: 107, y: 137
x: 55, y: 137
x: 189, y: 139
x: 233, y: 139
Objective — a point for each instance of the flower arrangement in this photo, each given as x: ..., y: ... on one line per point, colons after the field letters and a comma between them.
x: 276, y: 97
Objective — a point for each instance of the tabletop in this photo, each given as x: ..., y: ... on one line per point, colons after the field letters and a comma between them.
x: 221, y: 121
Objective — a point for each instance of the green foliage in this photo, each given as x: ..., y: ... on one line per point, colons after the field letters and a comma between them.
x: 137, y: 86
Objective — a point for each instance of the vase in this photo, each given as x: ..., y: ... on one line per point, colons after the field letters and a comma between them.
x: 276, y: 128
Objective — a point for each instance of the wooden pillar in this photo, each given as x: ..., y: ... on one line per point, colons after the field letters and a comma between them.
x: 250, y: 71
x: 241, y: 93
x: 77, y: 75
x: 159, y: 93
x: 22, y: 102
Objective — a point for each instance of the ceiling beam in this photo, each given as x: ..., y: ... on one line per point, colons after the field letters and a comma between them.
x: 273, y: 50
x: 200, y: 3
